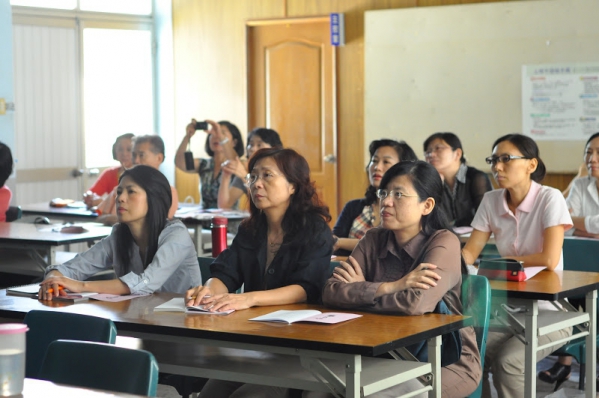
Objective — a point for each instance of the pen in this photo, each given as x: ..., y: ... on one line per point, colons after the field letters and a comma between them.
x: 193, y: 297
x: 52, y: 290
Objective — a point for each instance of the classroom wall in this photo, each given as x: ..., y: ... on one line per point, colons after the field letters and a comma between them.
x: 459, y: 69
x: 210, y: 70
x: 7, y: 125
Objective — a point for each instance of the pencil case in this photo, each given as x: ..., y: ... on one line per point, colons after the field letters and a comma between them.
x: 505, y: 269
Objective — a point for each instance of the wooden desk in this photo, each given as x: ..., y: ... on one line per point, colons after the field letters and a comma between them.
x: 551, y: 286
x: 339, y: 354
x: 76, y: 212
x: 33, y: 237
x: 34, y: 388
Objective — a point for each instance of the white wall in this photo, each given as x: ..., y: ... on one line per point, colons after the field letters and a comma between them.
x: 458, y: 68
x: 7, y: 123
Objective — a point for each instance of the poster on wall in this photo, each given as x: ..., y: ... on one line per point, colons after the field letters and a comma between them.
x: 560, y: 102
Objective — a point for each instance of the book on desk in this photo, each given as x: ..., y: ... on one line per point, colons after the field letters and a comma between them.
x: 305, y: 316
x: 32, y: 291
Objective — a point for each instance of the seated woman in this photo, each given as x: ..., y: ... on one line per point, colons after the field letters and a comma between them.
x: 281, y: 254
x: 147, y: 252
x: 6, y: 165
x: 360, y: 215
x: 109, y: 179
x: 464, y: 186
x: 528, y: 221
x: 149, y: 151
x: 583, y: 203
x: 259, y: 138
x: 408, y: 266
x: 223, y: 143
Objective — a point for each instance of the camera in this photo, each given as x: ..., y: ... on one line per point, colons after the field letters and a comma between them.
x: 189, y: 164
x: 201, y: 125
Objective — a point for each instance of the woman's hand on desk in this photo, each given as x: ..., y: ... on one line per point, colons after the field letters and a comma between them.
x: 55, y: 285
x: 349, y: 272
x: 228, y: 301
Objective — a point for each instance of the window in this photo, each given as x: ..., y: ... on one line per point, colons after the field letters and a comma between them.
x: 117, y: 88
x: 133, y: 7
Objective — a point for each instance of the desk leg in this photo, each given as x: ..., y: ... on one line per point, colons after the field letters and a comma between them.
x: 434, y: 357
x: 352, y: 377
x: 591, y: 345
x: 530, y: 350
x: 52, y: 255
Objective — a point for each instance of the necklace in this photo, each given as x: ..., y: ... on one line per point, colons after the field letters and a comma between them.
x: 275, y: 243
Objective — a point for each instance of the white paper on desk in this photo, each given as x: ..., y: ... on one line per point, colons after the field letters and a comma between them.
x: 113, y: 298
x: 532, y: 271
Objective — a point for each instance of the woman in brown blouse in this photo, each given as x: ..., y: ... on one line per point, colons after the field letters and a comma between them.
x: 383, y: 273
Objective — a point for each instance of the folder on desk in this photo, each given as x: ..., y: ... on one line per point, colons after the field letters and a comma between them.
x: 506, y: 269
x: 24, y: 291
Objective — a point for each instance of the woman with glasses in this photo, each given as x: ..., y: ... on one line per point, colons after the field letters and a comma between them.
x: 228, y: 194
x: 528, y: 221
x: 281, y: 254
x: 360, y: 215
x: 583, y: 203
x: 408, y: 266
x: 464, y: 186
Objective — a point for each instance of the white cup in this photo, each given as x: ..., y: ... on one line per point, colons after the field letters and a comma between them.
x: 12, y: 358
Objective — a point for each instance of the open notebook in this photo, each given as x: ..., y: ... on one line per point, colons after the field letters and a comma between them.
x: 306, y: 316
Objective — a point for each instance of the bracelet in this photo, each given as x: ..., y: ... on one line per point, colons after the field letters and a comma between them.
x: 223, y: 142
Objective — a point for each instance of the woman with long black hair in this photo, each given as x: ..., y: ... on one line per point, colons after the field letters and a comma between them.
x: 147, y: 251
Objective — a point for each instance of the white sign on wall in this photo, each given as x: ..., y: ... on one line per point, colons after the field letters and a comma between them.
x: 560, y: 102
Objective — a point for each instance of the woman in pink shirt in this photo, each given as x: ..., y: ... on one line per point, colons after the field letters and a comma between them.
x: 6, y: 164
x: 528, y: 221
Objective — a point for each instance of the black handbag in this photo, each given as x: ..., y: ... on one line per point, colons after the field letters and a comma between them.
x: 451, y: 343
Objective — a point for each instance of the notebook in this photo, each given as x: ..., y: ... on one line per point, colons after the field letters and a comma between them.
x: 306, y: 316
x: 178, y: 305
x: 24, y: 291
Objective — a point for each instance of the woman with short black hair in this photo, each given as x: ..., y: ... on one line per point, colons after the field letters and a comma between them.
x: 360, y: 215
x: 463, y: 186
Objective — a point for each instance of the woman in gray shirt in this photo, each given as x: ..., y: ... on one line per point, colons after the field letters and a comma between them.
x: 147, y: 252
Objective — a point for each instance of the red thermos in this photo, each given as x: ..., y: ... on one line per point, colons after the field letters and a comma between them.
x: 219, y: 235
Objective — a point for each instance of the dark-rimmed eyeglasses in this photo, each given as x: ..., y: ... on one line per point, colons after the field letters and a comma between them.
x: 493, y: 160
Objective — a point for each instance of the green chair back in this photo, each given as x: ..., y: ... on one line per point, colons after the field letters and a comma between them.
x: 476, y: 300
x: 205, y: 267
x: 102, y: 366
x: 332, y: 266
x: 48, y: 326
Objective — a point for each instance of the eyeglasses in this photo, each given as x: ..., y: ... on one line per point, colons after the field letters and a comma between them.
x: 493, y: 160
x: 436, y: 149
x: 396, y: 195
x: 266, y: 176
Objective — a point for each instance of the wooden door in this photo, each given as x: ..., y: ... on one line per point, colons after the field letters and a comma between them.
x: 291, y: 88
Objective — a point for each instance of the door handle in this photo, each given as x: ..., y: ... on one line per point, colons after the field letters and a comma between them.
x: 77, y: 172
x: 93, y: 172
x: 330, y: 158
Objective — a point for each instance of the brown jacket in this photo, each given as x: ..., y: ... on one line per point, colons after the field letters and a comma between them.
x: 382, y: 260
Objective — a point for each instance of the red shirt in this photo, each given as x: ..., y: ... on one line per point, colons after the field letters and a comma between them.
x: 107, y: 181
x: 5, y: 196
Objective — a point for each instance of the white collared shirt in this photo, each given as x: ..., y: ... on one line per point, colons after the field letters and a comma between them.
x: 583, y: 201
x: 522, y: 233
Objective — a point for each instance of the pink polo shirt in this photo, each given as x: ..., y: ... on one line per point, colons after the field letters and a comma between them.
x: 522, y: 234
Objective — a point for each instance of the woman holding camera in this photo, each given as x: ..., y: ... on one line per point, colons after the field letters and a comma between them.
x: 223, y: 143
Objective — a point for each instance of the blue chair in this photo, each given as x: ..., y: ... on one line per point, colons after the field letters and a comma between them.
x: 476, y: 300
x: 205, y: 267
x: 102, y: 366
x: 48, y: 326
x: 579, y: 255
